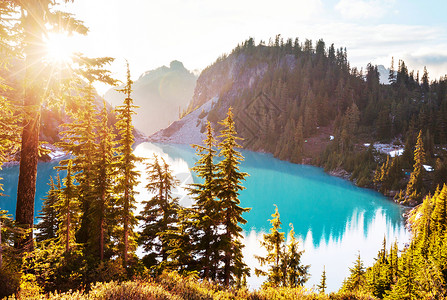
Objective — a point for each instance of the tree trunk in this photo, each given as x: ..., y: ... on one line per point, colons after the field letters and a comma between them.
x: 26, y: 189
x: 126, y: 223
x: 67, y: 242
x: 1, y: 249
x: 227, y: 259
x: 101, y: 228
x: 30, y: 137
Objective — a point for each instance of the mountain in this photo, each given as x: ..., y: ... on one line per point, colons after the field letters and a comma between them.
x: 279, y: 98
x: 161, y: 95
x: 303, y: 102
x: 383, y: 74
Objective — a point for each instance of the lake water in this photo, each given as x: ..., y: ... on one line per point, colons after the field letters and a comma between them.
x: 333, y: 219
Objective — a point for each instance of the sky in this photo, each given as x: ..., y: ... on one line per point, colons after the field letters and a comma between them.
x: 151, y: 33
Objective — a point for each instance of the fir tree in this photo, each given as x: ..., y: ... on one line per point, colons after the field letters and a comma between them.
x: 415, y: 185
x: 48, y: 226
x: 273, y: 242
x: 80, y: 136
x: 36, y: 19
x: 159, y: 215
x: 391, y: 74
x: 296, y: 273
x: 182, y: 238
x: 127, y: 175
x: 323, y: 285
x: 230, y: 179
x: 206, y: 207
x: 10, y: 131
x: 68, y: 211
x: 101, y: 214
x: 356, y: 280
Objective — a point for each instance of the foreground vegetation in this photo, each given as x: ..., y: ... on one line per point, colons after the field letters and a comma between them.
x: 88, y: 233
x: 172, y: 286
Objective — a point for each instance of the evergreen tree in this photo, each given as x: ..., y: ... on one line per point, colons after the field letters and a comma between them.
x: 48, y: 226
x: 36, y: 19
x: 127, y: 175
x: 206, y: 206
x: 391, y: 74
x: 322, y: 286
x: 230, y: 179
x: 80, y: 136
x: 415, y: 185
x: 159, y: 215
x: 102, y: 217
x: 9, y: 128
x: 356, y: 280
x: 273, y: 242
x: 182, y: 238
x: 296, y: 273
x: 68, y: 211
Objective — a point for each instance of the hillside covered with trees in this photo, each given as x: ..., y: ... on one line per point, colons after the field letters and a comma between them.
x: 291, y: 96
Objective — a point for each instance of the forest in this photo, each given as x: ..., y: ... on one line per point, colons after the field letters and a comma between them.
x: 308, y: 91
x: 84, y: 245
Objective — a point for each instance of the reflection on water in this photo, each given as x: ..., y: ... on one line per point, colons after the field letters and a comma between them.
x: 333, y: 218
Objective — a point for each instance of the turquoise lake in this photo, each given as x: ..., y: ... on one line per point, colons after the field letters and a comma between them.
x: 333, y: 218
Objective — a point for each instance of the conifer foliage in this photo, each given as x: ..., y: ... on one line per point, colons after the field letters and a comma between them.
x: 48, y: 226
x: 230, y: 184
x: 206, y: 212
x: 160, y: 213
x: 128, y: 176
x: 283, y: 259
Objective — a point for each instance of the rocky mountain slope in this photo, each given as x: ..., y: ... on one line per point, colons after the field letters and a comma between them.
x: 270, y: 91
x: 161, y: 95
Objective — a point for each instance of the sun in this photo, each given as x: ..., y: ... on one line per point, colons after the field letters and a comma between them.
x: 59, y: 48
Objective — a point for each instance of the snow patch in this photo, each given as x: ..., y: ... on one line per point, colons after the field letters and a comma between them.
x: 388, y: 149
x: 395, y: 153
x: 428, y: 168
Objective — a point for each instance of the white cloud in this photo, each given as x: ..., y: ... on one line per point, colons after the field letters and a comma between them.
x: 364, y: 9
x: 196, y: 32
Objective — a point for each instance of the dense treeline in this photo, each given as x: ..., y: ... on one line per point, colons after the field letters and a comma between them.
x: 291, y: 95
x: 417, y: 272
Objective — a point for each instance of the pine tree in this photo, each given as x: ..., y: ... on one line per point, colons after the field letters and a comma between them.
x: 273, y: 242
x: 392, y: 75
x: 37, y: 17
x: 206, y: 206
x: 230, y: 179
x: 296, y: 273
x: 159, y: 215
x: 415, y: 185
x: 182, y: 238
x: 356, y: 280
x: 103, y: 167
x: 68, y: 211
x: 48, y: 226
x: 127, y: 174
x: 322, y: 286
x: 425, y: 85
x: 80, y: 136
x: 9, y: 128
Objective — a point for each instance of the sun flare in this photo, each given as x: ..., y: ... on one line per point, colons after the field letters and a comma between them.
x: 59, y: 48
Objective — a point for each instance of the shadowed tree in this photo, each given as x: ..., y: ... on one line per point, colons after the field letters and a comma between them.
x: 127, y: 174
x: 36, y: 18
x: 230, y: 184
